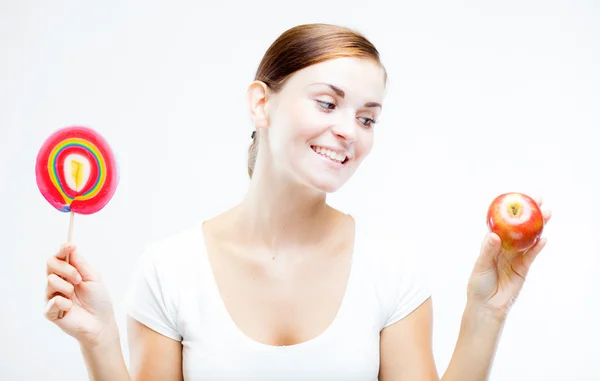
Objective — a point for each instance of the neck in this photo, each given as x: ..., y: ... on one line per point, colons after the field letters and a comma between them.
x: 281, y: 215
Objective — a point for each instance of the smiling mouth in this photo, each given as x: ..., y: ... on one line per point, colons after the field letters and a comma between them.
x: 329, y: 154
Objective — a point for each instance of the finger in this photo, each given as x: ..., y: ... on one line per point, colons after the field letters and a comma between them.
x: 64, y: 250
x: 56, y: 285
x: 63, y: 269
x: 55, y: 306
x: 88, y: 273
x: 530, y: 255
x: 538, y: 200
x: 490, y: 249
x: 547, y: 214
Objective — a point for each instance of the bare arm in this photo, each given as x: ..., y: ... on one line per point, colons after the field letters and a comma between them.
x: 153, y: 357
x: 104, y: 360
x: 406, y: 353
x: 76, y: 290
x: 406, y: 348
x: 476, y: 346
x: 496, y: 280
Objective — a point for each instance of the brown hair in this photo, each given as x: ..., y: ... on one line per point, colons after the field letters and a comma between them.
x: 303, y: 46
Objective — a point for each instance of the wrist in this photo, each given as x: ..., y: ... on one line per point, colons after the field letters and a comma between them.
x: 104, y: 358
x: 106, y: 353
x: 107, y: 339
x: 481, y: 315
x: 476, y: 345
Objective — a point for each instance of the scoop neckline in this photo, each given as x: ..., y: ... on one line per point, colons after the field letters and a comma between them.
x: 238, y: 334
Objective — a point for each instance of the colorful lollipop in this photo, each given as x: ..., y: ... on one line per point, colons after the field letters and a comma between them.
x: 76, y: 172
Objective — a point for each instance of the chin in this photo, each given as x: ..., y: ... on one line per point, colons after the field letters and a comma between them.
x: 327, y: 188
x: 326, y: 184
x: 324, y: 177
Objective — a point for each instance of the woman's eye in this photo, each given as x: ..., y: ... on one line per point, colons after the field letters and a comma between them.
x: 326, y: 105
x: 367, y: 122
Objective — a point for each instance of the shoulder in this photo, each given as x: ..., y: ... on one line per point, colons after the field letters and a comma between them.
x: 167, y: 261
x: 395, y: 268
x: 161, y: 275
x: 388, y: 253
x: 175, y: 249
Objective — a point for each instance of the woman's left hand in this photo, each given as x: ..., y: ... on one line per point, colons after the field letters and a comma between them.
x: 499, y: 274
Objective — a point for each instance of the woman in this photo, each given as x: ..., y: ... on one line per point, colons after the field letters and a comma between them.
x: 283, y: 286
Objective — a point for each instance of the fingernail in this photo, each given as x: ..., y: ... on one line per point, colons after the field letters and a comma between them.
x: 78, y: 279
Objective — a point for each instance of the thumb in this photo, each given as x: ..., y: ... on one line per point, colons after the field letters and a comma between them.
x: 86, y: 271
x: 490, y: 249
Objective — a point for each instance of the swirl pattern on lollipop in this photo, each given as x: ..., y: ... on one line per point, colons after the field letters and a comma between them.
x: 76, y: 170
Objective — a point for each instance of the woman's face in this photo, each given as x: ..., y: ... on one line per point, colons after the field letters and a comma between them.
x: 321, y: 123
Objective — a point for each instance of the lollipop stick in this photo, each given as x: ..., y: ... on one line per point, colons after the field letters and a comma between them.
x: 70, y: 236
x: 69, y: 240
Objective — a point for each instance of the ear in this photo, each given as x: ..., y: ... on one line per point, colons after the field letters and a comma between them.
x: 256, y: 96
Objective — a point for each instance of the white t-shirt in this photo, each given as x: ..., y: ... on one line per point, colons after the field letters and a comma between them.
x: 174, y: 293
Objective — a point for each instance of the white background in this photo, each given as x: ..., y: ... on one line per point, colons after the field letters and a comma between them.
x: 484, y: 97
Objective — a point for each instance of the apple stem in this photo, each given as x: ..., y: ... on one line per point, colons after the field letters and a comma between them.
x: 514, y: 209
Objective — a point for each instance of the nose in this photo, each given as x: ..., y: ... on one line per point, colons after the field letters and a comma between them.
x: 345, y: 128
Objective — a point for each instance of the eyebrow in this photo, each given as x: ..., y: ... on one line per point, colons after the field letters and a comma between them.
x: 342, y: 94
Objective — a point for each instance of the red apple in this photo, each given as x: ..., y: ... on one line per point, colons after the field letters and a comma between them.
x: 517, y: 219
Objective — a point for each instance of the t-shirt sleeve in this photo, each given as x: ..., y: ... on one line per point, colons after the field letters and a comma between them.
x: 410, y: 292
x: 152, y: 297
x: 402, y: 280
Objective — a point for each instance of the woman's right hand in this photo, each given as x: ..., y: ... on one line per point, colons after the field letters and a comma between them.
x: 83, y: 298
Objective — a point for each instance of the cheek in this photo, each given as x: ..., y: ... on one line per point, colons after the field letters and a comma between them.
x: 305, y: 119
x: 291, y: 130
x: 364, y: 144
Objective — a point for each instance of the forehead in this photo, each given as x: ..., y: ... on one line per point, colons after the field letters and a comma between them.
x: 357, y: 77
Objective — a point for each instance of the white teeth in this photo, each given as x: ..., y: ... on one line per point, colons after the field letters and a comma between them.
x: 330, y: 154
